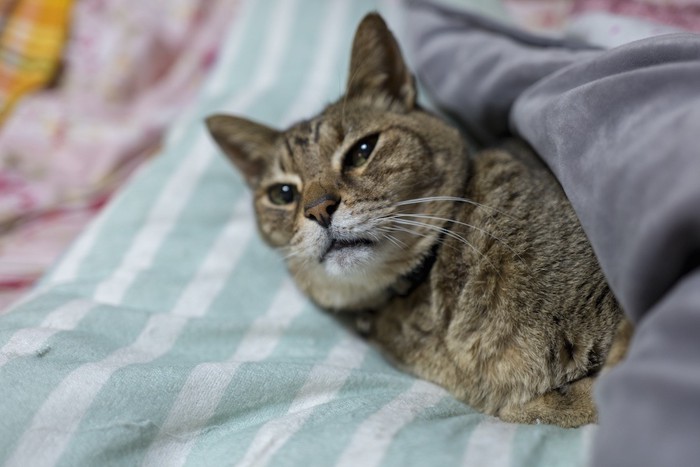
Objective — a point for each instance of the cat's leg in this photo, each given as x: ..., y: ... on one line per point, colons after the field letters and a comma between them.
x: 620, y: 343
x: 568, y: 407
x: 571, y: 405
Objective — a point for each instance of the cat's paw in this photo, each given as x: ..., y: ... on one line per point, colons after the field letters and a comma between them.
x: 568, y: 409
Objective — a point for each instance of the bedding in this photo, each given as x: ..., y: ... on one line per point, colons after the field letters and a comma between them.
x: 168, y: 334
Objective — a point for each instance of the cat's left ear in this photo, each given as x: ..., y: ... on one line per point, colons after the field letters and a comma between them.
x: 248, y: 144
x: 377, y: 66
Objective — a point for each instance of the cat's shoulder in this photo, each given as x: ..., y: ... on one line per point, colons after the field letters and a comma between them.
x: 511, y: 163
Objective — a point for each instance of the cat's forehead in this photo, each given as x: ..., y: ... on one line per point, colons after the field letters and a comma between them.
x: 315, y: 131
x: 311, y: 145
x: 332, y: 126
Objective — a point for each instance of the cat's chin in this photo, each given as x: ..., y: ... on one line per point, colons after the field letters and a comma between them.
x: 350, y: 260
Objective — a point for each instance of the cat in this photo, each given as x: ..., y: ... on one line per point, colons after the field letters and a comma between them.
x: 468, y: 270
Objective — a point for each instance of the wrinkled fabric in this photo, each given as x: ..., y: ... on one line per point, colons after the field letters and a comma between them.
x: 130, y: 68
x: 619, y: 130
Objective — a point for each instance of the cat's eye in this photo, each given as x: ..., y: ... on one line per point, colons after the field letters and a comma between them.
x: 282, y: 193
x: 358, y: 155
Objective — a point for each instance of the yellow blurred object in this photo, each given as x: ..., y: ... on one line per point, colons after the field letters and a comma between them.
x: 32, y: 36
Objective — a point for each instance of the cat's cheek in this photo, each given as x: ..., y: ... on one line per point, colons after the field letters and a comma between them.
x: 277, y: 238
x: 315, y: 241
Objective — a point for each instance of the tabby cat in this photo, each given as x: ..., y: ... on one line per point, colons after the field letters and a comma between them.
x: 469, y: 270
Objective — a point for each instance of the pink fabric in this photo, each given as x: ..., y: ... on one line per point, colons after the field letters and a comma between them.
x: 683, y: 14
x: 131, y: 67
x: 552, y: 16
x: 28, y: 251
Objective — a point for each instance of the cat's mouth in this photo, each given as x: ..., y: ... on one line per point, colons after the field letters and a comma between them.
x: 342, y: 245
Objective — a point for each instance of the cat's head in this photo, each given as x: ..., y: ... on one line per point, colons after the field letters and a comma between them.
x: 342, y: 194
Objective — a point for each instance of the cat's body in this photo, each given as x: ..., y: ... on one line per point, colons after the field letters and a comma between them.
x: 470, y: 271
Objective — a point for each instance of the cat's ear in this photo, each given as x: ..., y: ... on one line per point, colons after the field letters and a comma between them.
x: 247, y: 144
x: 376, y: 64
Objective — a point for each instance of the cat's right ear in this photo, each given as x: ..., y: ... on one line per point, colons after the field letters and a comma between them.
x: 247, y: 144
x: 377, y: 66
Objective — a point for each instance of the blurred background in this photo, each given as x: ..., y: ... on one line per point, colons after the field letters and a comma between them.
x: 87, y: 88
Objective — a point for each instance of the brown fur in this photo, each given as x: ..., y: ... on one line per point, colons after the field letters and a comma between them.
x: 488, y: 288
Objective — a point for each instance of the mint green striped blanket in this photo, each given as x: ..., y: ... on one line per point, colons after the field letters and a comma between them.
x: 170, y: 335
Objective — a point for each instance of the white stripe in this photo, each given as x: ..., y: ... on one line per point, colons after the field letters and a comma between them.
x: 219, y: 79
x: 213, y: 85
x: 32, y: 341
x: 65, y: 407
x: 30, y: 296
x: 374, y: 436
x: 321, y: 387
x: 588, y: 434
x: 215, y: 269
x: 67, y: 268
x: 174, y: 196
x: 161, y: 220
x: 324, y: 64
x: 207, y: 383
x: 490, y: 443
x: 176, y: 134
x: 62, y: 408
x: 55, y: 422
x: 269, y: 72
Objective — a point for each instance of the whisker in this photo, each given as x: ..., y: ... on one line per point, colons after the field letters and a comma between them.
x: 451, y: 234
x: 290, y: 255
x: 479, y: 229
x: 419, y: 234
x: 394, y: 240
x: 456, y: 199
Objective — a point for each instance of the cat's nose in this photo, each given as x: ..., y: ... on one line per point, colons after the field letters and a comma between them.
x: 321, y: 210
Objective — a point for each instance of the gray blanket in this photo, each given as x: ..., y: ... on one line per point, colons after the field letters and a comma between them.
x: 620, y: 129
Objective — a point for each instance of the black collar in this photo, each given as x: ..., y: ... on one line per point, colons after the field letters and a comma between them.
x: 415, y: 277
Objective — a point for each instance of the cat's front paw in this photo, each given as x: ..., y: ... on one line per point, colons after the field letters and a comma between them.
x: 568, y: 409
